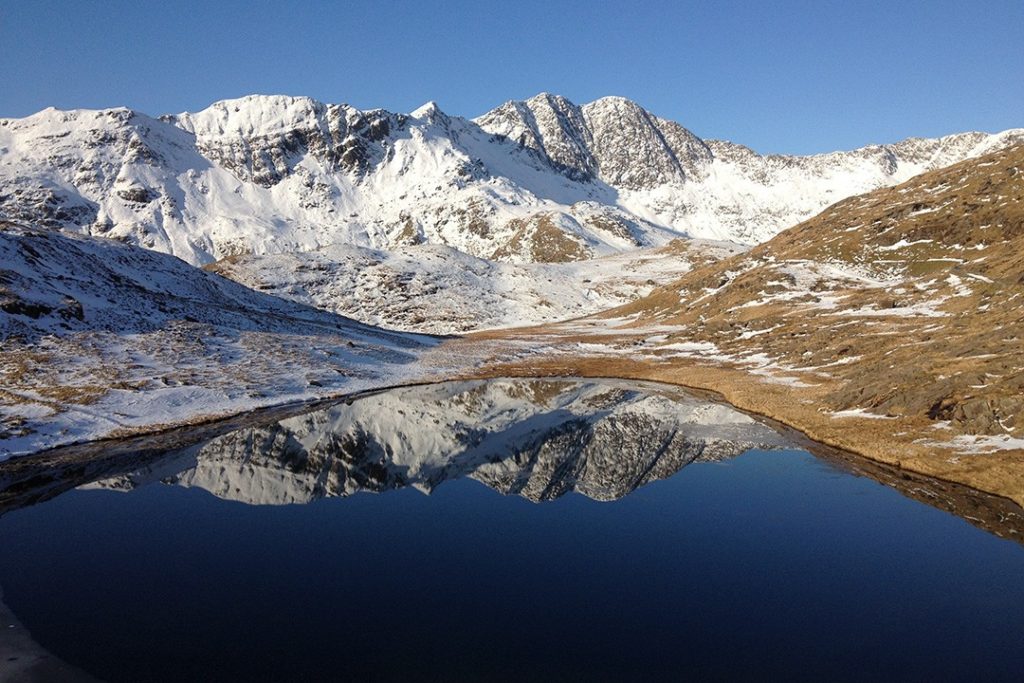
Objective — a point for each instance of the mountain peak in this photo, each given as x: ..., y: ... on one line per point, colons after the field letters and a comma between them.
x: 550, y: 99
x: 614, y: 100
x: 55, y: 116
x: 427, y: 111
x: 264, y: 101
x: 253, y: 114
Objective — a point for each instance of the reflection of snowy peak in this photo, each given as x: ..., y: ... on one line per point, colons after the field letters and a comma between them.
x: 536, y: 438
x: 539, y: 180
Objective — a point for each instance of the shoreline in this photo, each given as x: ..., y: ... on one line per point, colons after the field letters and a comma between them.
x: 897, y: 445
x: 23, y: 659
x: 993, y: 511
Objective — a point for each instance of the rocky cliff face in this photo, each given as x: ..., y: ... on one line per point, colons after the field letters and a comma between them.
x: 613, y: 140
x: 551, y: 126
x: 271, y: 174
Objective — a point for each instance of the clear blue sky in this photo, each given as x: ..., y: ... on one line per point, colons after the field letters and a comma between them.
x: 780, y: 77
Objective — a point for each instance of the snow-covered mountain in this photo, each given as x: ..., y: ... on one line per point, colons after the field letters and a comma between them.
x: 710, y: 188
x: 99, y: 338
x: 538, y: 180
x: 55, y: 284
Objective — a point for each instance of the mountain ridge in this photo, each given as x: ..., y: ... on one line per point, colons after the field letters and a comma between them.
x: 541, y: 179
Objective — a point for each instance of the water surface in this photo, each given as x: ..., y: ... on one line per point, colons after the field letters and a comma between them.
x: 574, y: 530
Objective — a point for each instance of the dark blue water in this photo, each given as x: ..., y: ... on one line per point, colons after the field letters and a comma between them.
x: 769, y: 566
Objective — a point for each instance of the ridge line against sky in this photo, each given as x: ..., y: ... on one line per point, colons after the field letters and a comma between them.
x: 789, y: 77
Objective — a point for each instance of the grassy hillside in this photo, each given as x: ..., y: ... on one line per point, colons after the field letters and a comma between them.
x: 890, y: 324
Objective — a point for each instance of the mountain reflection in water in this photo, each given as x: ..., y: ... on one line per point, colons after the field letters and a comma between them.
x: 776, y: 565
x: 536, y: 438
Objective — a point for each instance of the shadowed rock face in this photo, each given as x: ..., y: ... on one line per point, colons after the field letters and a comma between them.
x: 536, y: 438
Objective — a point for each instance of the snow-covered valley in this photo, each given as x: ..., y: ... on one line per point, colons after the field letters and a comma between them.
x: 438, y: 290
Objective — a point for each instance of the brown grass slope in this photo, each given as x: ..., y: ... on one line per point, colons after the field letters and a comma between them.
x: 906, y: 303
x: 933, y: 329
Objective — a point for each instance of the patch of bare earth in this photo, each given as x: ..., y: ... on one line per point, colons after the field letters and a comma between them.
x: 538, y: 240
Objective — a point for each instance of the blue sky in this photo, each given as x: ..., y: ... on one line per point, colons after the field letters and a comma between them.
x: 793, y: 77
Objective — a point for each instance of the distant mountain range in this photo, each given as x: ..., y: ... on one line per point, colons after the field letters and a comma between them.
x: 541, y: 180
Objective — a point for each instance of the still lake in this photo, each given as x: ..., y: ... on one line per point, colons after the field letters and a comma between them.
x: 505, y: 530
